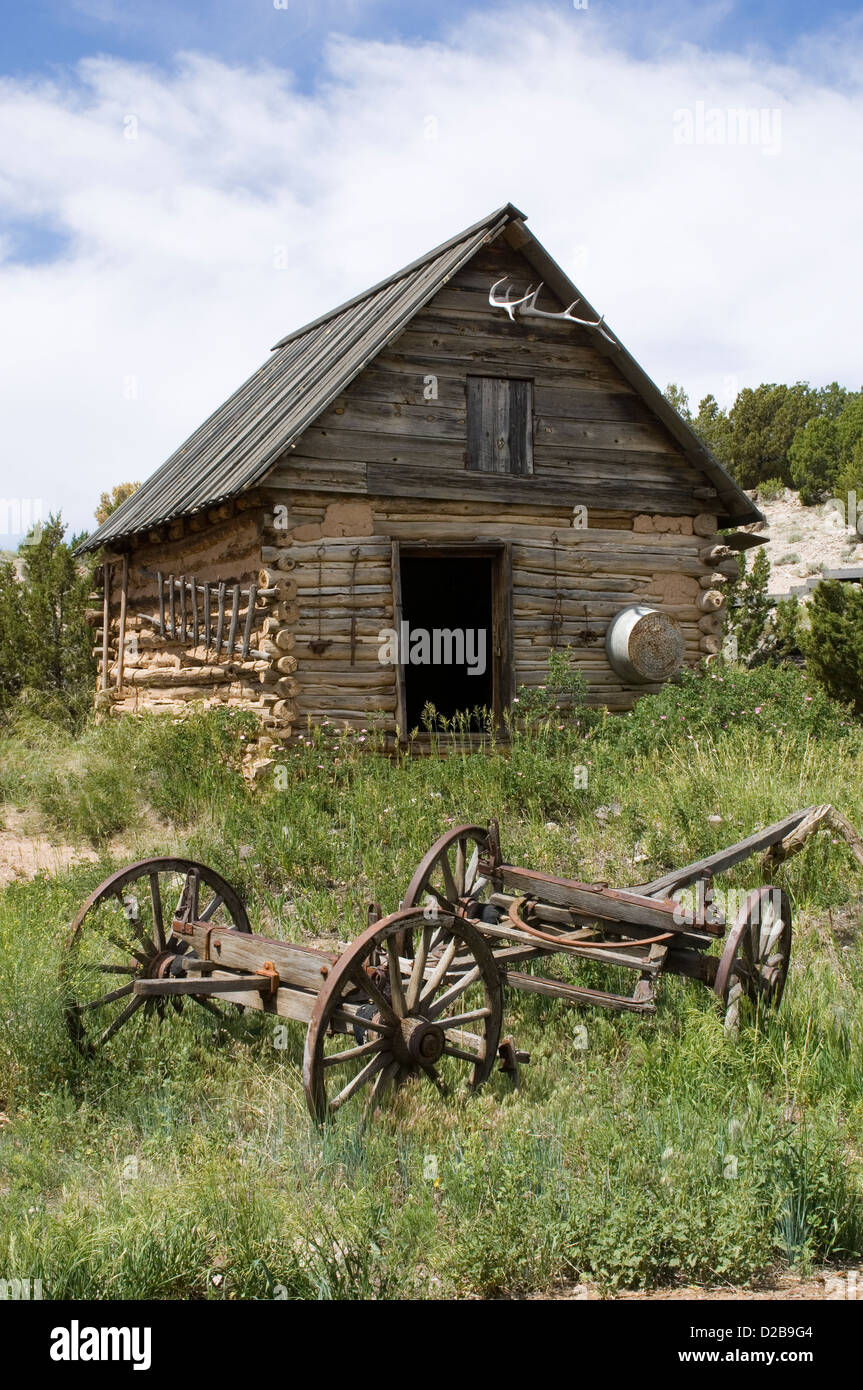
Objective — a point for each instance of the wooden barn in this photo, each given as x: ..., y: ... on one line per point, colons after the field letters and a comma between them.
x: 417, y: 497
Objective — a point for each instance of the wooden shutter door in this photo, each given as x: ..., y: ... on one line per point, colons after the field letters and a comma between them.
x: 499, y: 425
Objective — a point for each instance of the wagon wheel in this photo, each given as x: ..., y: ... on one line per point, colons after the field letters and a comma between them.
x: 449, y: 873
x: 389, y: 1011
x: 757, y: 951
x: 123, y: 933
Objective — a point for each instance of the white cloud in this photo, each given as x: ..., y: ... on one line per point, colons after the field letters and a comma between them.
x: 715, y: 263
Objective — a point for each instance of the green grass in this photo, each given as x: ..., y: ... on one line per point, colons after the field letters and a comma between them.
x: 186, y: 1166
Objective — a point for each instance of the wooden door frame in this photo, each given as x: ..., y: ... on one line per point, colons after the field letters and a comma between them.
x: 503, y: 667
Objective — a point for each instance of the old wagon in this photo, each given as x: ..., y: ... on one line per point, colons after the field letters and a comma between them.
x: 420, y: 992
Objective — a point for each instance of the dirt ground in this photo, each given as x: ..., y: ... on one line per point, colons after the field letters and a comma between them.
x: 26, y: 850
x: 802, y: 539
x: 24, y: 854
x: 834, y: 1284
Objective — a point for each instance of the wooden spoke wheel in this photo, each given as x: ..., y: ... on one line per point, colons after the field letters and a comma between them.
x: 123, y: 933
x: 449, y: 874
x: 390, y: 1009
x: 754, y: 962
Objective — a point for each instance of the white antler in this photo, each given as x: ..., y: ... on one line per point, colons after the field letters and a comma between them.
x: 511, y: 304
x: 527, y: 307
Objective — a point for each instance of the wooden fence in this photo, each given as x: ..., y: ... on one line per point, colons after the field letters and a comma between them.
x: 218, y: 616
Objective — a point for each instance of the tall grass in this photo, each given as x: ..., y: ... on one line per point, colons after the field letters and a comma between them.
x: 185, y: 1164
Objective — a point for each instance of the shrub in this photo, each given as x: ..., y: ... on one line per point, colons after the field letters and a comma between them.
x: 814, y: 458
x: 557, y: 705
x: 749, y: 604
x: 834, y: 644
x: 826, y: 455
x: 764, y: 423
x: 771, y: 489
x: 785, y: 636
x: 45, y: 642
x: 767, y: 698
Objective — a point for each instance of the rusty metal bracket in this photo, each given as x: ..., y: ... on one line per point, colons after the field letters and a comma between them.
x: 180, y: 926
x: 272, y: 974
x: 511, y: 1058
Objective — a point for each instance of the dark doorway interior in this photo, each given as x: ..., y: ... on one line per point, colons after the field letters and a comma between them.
x: 455, y: 594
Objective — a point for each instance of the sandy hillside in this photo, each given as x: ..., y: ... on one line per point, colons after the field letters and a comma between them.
x: 805, y: 539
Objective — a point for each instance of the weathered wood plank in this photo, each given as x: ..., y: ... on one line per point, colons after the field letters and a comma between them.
x: 576, y: 994
x: 723, y: 859
x: 397, y: 479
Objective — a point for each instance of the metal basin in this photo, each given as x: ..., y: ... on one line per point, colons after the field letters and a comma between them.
x: 644, y: 645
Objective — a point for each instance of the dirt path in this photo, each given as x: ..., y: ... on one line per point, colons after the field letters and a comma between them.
x: 26, y: 850
x: 834, y: 1284
x: 24, y: 854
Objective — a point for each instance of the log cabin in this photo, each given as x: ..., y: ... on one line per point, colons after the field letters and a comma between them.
x: 417, y: 498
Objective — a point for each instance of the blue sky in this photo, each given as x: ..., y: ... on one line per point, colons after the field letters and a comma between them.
x: 181, y: 184
x: 40, y: 34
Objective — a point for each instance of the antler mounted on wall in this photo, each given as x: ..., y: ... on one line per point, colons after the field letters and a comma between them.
x: 526, y: 307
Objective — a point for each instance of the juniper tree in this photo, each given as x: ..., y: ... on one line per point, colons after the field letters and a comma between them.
x: 54, y: 665
x: 834, y: 643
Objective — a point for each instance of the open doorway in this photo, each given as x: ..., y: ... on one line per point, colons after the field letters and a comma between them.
x: 447, y: 636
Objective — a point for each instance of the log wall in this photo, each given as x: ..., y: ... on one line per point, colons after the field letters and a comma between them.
x: 326, y: 580
x: 163, y: 674
x: 568, y: 583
